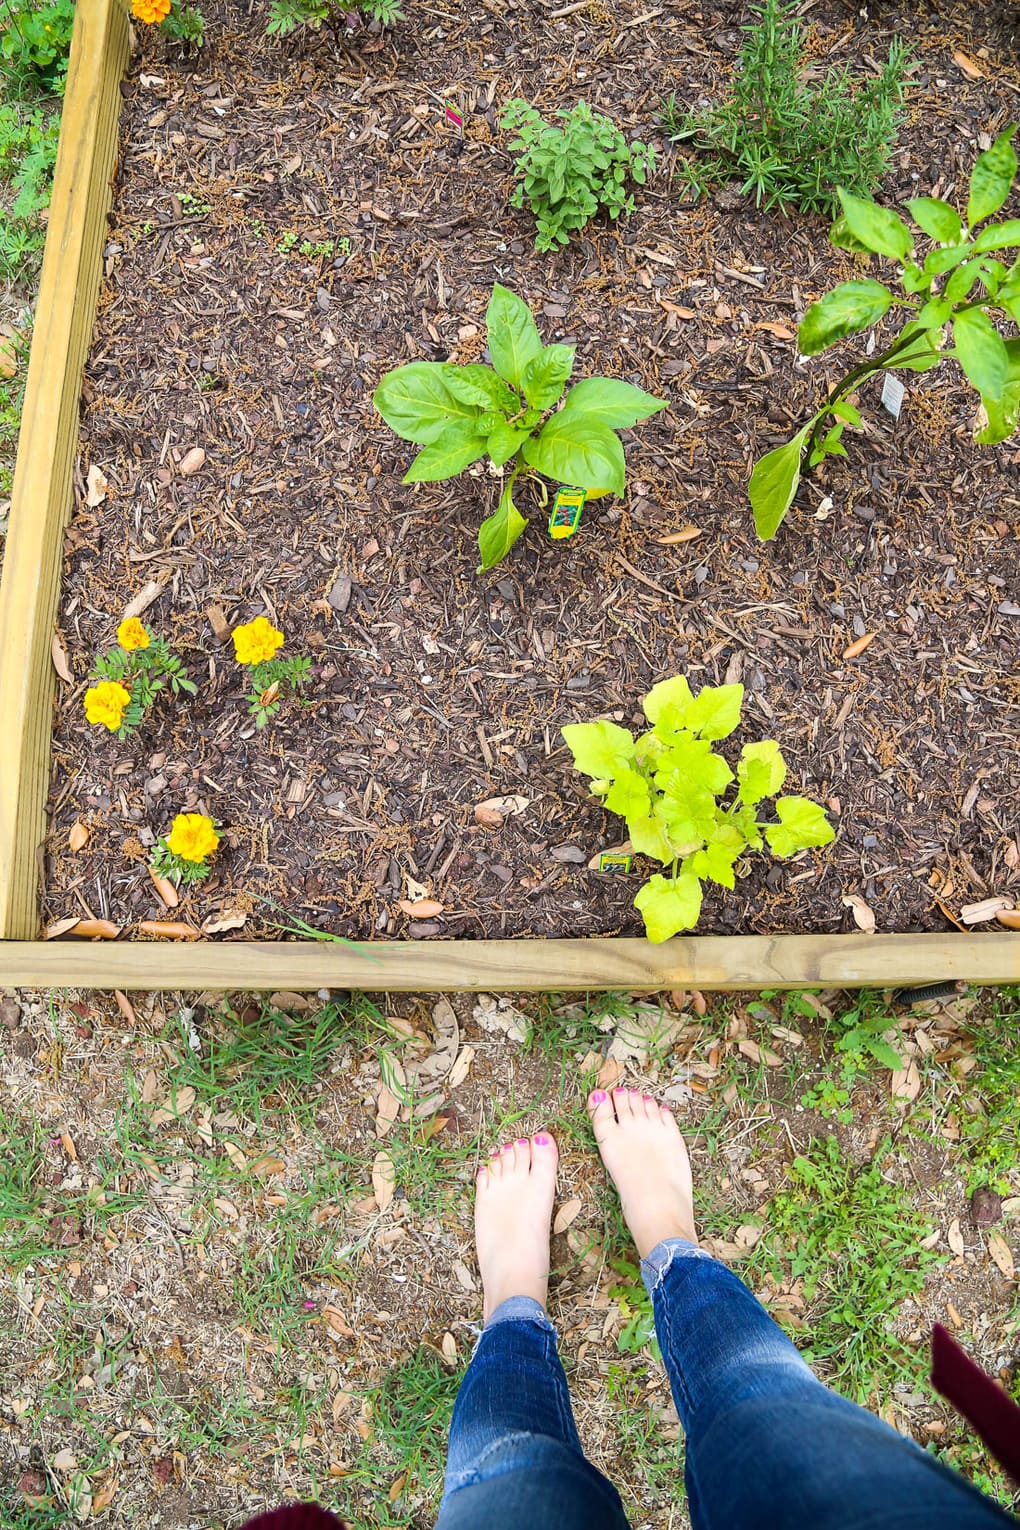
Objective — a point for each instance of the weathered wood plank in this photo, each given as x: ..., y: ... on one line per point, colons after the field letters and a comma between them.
x: 708, y: 962
x: 68, y: 292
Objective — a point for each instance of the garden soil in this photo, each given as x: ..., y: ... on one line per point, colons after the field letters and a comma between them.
x: 436, y: 689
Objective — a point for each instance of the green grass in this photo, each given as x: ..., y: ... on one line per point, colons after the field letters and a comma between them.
x: 404, y: 1456
x: 653, y: 1463
x: 990, y: 1130
x: 853, y: 1240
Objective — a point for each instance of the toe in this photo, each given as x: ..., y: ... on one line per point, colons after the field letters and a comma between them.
x: 544, y: 1153
x: 600, y: 1108
x: 521, y: 1160
x: 622, y: 1104
x: 649, y: 1107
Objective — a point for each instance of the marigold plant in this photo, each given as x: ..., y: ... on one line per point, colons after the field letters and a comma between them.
x: 183, y: 856
x: 255, y: 645
x: 183, y: 23
x: 152, y: 12
x: 131, y: 676
x: 106, y: 703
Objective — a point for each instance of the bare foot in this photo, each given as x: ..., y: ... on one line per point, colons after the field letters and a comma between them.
x: 643, y: 1150
x: 513, y: 1209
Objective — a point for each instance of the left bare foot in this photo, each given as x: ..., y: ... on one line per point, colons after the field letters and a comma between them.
x: 513, y: 1210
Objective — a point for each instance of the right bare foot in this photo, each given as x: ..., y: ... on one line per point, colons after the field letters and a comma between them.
x: 646, y: 1157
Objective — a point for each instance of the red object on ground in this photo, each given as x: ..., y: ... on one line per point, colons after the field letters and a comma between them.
x: 298, y: 1516
x: 993, y: 1415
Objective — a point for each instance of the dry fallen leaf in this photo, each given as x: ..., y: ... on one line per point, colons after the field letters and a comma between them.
x: 77, y: 836
x: 125, y: 1006
x: 448, y: 1346
x: 229, y: 919
x: 488, y: 817
x: 781, y: 331
x: 8, y: 356
x: 609, y: 1074
x: 967, y: 65
x: 169, y: 929
x: 905, y: 1083
x: 864, y: 918
x: 143, y: 600
x: 97, y: 486
x: 494, y: 810
x: 1002, y: 1254
x: 384, y: 1178
x: 96, y: 929
x: 60, y: 927
x: 685, y: 534
x: 163, y: 885
x: 747, y: 1236
x: 1010, y: 917
x: 859, y: 646
x: 335, y: 1320
x: 267, y: 1165
x: 758, y: 1054
x: 59, y: 658
x: 387, y: 1110
x: 954, y: 1237
x: 104, y: 1497
x: 988, y: 908
x: 423, y: 908
x: 192, y: 462
x: 461, y: 1068
x: 567, y: 1213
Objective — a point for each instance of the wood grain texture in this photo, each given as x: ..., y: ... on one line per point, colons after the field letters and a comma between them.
x: 708, y: 962
x: 68, y: 291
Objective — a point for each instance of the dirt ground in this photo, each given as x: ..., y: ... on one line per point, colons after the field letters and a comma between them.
x: 239, y: 1257
x: 435, y: 689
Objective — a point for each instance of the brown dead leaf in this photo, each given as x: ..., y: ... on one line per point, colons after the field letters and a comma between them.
x: 192, y: 462
x: 1002, y: 1254
x: 464, y: 1275
x: 387, y: 1110
x: 228, y: 919
x: 905, y: 1083
x: 506, y: 807
x: 104, y: 1497
x: 227, y: 1210
x: 461, y: 1068
x: 67, y: 1143
x: 967, y: 65
x: 681, y: 313
x: 96, y: 486
x: 448, y: 1346
x: 284, y: 999
x: 164, y: 887
x: 77, y: 836
x: 954, y: 1237
x: 758, y: 1054
x: 988, y: 908
x: 125, y: 1006
x: 423, y: 908
x: 336, y: 1322
x: 609, y: 1074
x: 60, y: 927
x: 8, y: 356
x: 864, y: 917
x: 384, y: 1178
x: 268, y: 1165
x: 568, y: 1212
x: 685, y: 534
x: 953, y: 1314
x: 488, y: 817
x: 747, y: 1236
x: 236, y: 1156
x: 859, y: 646
x: 781, y: 331
x: 96, y: 929
x: 169, y: 929
x: 59, y: 658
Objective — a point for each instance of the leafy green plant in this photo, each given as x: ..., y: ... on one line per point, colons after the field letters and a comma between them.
x: 854, y: 1240
x: 667, y: 785
x: 790, y: 141
x: 629, y: 1294
x: 286, y: 16
x: 959, y: 284
x: 990, y: 1127
x: 185, y: 24
x: 28, y: 153
x: 35, y: 40
x: 866, y: 1026
x: 459, y: 414
x: 567, y: 174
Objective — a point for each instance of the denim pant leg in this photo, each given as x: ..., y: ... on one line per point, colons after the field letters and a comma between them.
x: 768, y: 1445
x: 515, y: 1461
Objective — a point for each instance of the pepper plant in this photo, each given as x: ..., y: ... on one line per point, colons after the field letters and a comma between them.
x: 459, y: 414
x: 668, y: 786
x: 956, y: 289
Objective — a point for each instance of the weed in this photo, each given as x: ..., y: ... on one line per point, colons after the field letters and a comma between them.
x: 792, y: 143
x: 287, y: 16
x: 990, y: 1127
x: 35, y: 41
x: 854, y: 1241
x: 21, y: 1197
x: 28, y: 153
x: 405, y: 1454
x: 568, y: 174
x: 193, y: 206
x: 635, y: 1306
x: 653, y: 1460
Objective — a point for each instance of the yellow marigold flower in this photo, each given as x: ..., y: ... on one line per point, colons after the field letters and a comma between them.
x: 150, y: 11
x: 131, y: 635
x: 106, y: 703
x: 256, y: 641
x: 192, y: 837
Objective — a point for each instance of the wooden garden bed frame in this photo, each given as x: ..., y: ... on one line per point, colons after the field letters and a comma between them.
x: 29, y: 594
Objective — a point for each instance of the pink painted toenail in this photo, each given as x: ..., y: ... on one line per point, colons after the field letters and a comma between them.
x: 522, y: 1142
x: 649, y: 1099
x: 507, y: 1147
x: 481, y: 1170
x: 598, y: 1096
x: 542, y: 1140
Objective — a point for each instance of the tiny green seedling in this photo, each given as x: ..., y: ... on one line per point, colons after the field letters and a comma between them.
x: 666, y: 785
x: 512, y: 412
x: 960, y: 283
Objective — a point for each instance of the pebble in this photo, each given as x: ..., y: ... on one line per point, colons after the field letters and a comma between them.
x: 568, y: 853
x: 10, y: 1014
x: 323, y: 299
x: 339, y: 596
x: 423, y: 929
x: 864, y: 512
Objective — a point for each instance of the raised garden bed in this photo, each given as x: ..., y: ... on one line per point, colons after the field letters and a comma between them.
x: 435, y: 690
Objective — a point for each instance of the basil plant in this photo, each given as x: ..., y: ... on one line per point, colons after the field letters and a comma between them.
x: 515, y: 414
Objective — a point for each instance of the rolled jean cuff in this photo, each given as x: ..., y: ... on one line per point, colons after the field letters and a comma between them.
x: 521, y: 1308
x: 655, y: 1264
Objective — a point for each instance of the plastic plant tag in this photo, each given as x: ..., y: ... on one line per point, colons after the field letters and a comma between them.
x: 454, y: 116
x: 616, y: 862
x: 566, y: 513
x: 893, y: 394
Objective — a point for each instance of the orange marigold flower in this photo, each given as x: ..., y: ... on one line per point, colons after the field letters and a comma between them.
x: 106, y: 703
x: 150, y: 11
x: 256, y: 641
x: 192, y: 837
x: 131, y: 635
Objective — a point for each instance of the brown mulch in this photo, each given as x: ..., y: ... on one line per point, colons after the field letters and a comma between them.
x: 435, y: 689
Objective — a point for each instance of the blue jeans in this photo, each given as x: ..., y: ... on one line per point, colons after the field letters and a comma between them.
x: 769, y: 1447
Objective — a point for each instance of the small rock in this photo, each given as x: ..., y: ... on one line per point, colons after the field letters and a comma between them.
x: 323, y: 299
x: 192, y: 462
x: 422, y: 929
x: 10, y: 1014
x: 985, y: 1207
x: 154, y: 785
x: 568, y: 853
x: 339, y: 596
x: 864, y: 512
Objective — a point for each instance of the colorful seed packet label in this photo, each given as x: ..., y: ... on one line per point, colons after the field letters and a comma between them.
x: 566, y: 513
x: 616, y: 862
x: 454, y: 116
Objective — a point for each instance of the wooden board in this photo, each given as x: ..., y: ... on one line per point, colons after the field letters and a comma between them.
x: 707, y: 962
x: 68, y: 291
